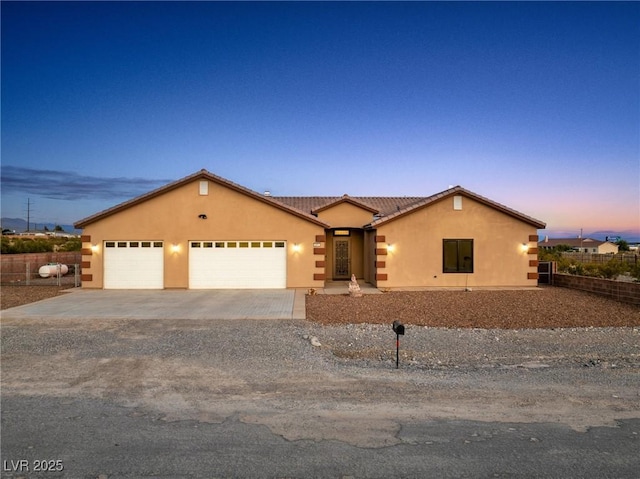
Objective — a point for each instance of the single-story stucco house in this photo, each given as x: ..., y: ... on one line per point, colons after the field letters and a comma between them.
x: 580, y: 245
x: 206, y: 232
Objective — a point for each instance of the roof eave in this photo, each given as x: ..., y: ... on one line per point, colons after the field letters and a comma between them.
x: 346, y: 199
x: 450, y: 192
x: 188, y: 179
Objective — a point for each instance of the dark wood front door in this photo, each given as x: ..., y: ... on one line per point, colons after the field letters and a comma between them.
x: 342, y: 262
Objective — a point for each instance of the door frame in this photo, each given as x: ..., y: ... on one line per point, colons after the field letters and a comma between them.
x: 336, y: 240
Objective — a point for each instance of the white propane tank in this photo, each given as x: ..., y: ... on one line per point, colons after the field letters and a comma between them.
x: 51, y: 269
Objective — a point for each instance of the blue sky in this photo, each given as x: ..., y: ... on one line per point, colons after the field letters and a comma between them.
x: 534, y: 105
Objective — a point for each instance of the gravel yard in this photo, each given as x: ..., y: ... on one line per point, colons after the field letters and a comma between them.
x: 546, y: 307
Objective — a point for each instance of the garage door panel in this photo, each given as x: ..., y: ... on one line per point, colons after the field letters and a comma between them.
x: 237, y: 265
x: 133, y: 265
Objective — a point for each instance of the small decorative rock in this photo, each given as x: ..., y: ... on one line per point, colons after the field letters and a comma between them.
x: 354, y: 287
x: 315, y: 342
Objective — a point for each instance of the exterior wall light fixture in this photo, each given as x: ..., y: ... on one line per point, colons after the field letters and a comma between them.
x: 296, y: 247
x: 175, y: 248
x: 525, y: 247
x: 390, y: 248
x: 94, y: 248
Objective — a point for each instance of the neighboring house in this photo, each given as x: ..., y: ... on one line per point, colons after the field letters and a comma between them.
x: 581, y: 245
x: 205, y: 232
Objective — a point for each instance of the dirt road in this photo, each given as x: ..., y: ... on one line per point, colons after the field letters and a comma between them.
x: 347, y: 389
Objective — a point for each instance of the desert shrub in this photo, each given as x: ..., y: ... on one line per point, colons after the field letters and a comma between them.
x: 13, y: 245
x: 612, y: 268
x: 635, y: 271
x: 71, y: 244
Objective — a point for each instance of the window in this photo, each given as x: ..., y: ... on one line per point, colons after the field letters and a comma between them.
x: 457, y: 256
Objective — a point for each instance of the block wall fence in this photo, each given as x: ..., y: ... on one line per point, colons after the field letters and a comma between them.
x: 625, y: 292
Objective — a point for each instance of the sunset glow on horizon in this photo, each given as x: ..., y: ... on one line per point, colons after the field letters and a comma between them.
x: 533, y: 105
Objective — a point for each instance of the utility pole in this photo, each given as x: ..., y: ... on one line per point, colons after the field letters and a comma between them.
x: 28, y: 214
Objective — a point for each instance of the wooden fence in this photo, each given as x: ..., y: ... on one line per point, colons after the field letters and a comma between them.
x: 630, y: 258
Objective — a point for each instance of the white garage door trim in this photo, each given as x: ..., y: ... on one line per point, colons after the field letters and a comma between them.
x: 237, y: 264
x: 133, y: 265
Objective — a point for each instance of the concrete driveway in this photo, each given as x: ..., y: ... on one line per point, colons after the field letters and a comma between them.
x: 167, y: 304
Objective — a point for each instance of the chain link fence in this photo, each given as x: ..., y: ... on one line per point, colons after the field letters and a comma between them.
x: 42, y: 269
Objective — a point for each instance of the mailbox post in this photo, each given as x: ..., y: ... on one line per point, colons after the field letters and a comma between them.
x: 398, y: 328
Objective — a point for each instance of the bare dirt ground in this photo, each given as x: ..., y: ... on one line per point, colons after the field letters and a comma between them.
x: 12, y: 296
x: 347, y: 389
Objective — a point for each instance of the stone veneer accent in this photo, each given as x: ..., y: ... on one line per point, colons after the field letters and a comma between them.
x: 320, y: 263
x: 87, y: 253
x: 379, y: 264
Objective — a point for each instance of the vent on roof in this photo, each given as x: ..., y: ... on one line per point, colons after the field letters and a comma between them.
x: 267, y: 193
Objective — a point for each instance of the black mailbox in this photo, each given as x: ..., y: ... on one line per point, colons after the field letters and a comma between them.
x: 398, y: 328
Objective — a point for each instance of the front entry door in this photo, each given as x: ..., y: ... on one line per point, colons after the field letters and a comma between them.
x: 342, y: 262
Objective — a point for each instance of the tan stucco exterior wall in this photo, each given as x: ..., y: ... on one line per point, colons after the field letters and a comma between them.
x: 499, y: 258
x: 607, y: 248
x: 231, y: 215
x: 344, y: 215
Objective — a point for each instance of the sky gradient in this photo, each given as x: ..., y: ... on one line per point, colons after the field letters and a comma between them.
x: 533, y: 105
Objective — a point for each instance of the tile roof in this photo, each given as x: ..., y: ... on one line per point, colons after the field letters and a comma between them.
x: 384, y: 205
x: 385, y: 208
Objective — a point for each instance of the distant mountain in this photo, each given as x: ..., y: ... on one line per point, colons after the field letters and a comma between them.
x: 20, y: 226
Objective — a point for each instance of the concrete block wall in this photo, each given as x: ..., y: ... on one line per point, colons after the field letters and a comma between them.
x: 625, y: 292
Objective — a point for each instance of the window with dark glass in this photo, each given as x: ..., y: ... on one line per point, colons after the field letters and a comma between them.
x: 457, y: 256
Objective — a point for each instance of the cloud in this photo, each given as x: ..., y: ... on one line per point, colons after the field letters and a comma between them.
x: 63, y: 185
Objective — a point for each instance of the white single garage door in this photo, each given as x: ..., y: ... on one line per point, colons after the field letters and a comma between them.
x: 133, y: 265
x: 237, y: 264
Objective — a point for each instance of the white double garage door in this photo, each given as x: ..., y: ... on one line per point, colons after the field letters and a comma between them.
x: 212, y: 264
